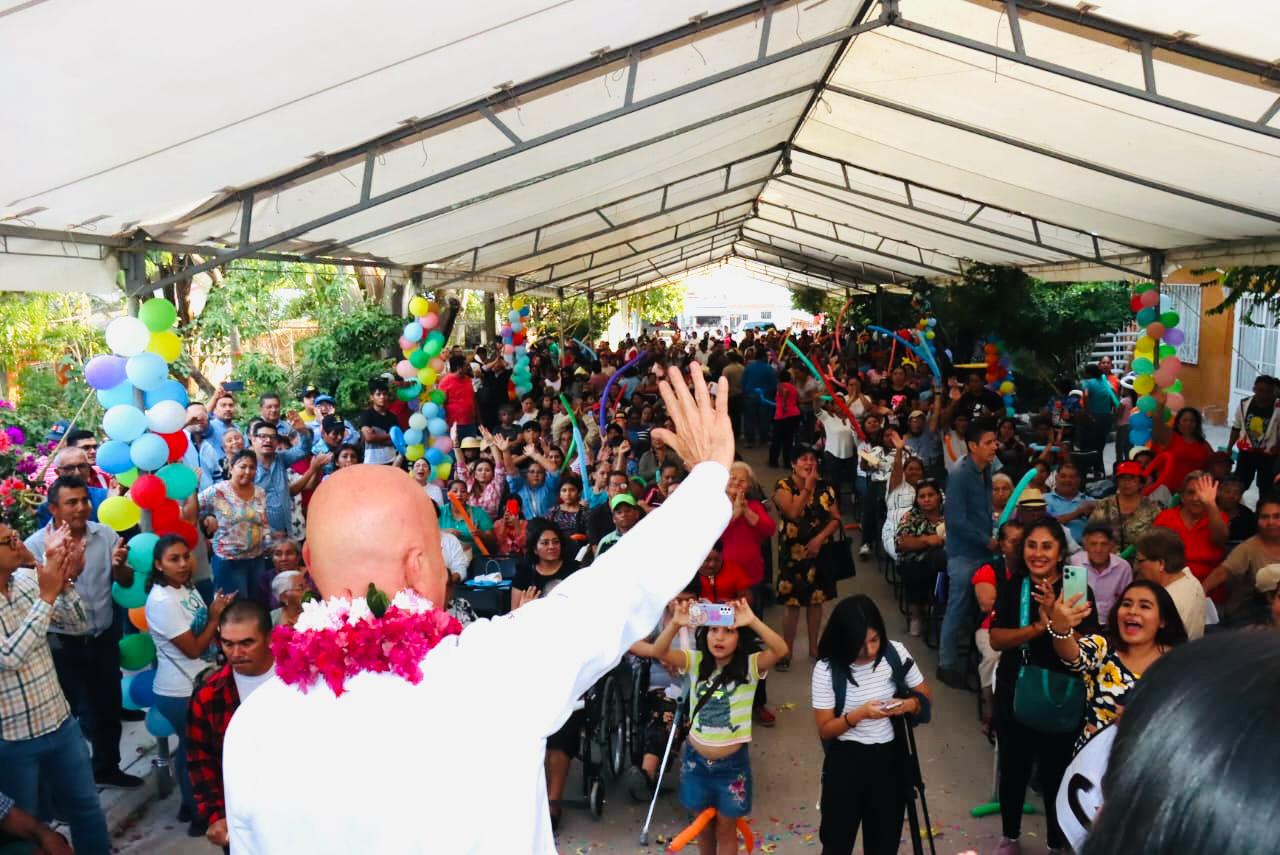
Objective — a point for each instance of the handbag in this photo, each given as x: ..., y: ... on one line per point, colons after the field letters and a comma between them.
x: 1045, y: 700
x: 835, y: 557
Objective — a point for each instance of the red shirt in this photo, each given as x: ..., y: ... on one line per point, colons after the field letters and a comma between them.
x: 743, y: 541
x: 786, y: 401
x: 460, y: 399
x: 1188, y: 456
x: 987, y: 573
x: 1202, y: 555
x: 730, y: 583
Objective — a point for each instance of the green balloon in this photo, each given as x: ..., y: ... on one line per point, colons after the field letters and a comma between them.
x: 1176, y: 387
x: 1170, y: 319
x: 431, y: 349
x: 137, y: 651
x: 179, y: 481
x: 1147, y: 404
x: 126, y: 479
x: 437, y: 337
x: 408, y: 393
x: 142, y: 549
x: 437, y: 397
x: 1143, y: 286
x: 1167, y: 350
x: 1142, y: 365
x: 1147, y: 316
x: 133, y: 596
x: 419, y: 358
x: 158, y: 314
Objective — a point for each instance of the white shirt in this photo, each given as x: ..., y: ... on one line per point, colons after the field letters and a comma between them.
x: 841, y: 440
x: 455, y: 556
x: 874, y: 683
x: 171, y: 612
x: 245, y: 685
x: 455, y: 764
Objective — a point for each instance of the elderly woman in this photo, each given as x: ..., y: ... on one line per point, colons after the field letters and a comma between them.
x: 289, y: 588
x: 1199, y: 524
x: 1127, y: 511
x: 810, y: 517
x: 750, y: 528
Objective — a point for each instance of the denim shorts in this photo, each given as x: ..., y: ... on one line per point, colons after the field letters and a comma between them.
x: 722, y: 784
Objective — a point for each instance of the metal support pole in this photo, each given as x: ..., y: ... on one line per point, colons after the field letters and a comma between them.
x: 560, y: 333
x: 591, y: 302
x: 490, y: 317
x: 879, y: 306
x: 1157, y: 279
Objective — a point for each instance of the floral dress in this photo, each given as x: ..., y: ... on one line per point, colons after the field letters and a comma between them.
x: 800, y: 581
x: 1126, y: 529
x: 1107, y: 682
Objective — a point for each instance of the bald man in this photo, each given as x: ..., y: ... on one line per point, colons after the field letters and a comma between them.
x: 454, y: 764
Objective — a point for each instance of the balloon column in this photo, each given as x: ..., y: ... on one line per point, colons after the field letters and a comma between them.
x: 1159, y: 342
x: 421, y: 368
x: 1000, y: 372
x: 145, y: 441
x: 513, y: 346
x: 924, y: 331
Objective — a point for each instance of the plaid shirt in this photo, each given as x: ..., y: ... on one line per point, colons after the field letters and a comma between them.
x: 31, y: 701
x: 210, y: 713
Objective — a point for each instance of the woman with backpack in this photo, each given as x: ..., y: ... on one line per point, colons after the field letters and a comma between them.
x: 862, y: 681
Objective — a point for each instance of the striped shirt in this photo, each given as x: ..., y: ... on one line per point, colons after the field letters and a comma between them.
x: 725, y: 719
x: 31, y: 701
x: 874, y: 682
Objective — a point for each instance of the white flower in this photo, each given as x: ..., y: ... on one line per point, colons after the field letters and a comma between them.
x: 411, y: 601
x: 359, y: 612
x: 322, y: 614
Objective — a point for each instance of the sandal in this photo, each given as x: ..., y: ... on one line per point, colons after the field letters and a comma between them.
x: 783, y: 664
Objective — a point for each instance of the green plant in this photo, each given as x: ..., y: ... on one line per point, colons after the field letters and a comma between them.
x: 342, y: 359
x: 43, y: 400
x: 1262, y: 283
x: 260, y: 375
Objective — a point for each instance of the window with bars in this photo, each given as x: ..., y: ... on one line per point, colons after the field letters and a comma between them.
x: 1256, y: 346
x: 1186, y: 302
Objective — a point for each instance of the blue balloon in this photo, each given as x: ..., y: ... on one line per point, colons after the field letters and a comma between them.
x: 1138, y: 420
x: 431, y: 410
x: 149, y: 452
x: 142, y: 688
x: 413, y: 331
x: 124, y: 422
x: 1139, y: 437
x: 157, y: 725
x: 514, y: 317
x: 413, y: 437
x: 147, y: 370
x: 435, y: 456
x: 169, y: 390
x: 125, y: 701
x: 397, y: 438
x: 113, y: 457
x: 437, y: 427
x: 116, y: 395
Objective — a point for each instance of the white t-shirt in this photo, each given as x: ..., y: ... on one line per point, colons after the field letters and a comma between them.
x: 245, y: 684
x: 455, y: 557
x: 841, y: 440
x: 171, y: 612
x: 874, y: 683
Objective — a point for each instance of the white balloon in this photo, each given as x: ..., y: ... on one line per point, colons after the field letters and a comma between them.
x: 418, y: 421
x: 166, y: 417
x: 127, y: 336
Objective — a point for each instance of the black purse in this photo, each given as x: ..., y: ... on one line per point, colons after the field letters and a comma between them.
x: 835, y: 557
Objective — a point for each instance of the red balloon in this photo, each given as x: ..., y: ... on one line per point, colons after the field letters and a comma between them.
x: 165, y: 516
x: 177, y: 443
x: 187, y: 532
x: 1135, y: 302
x: 147, y: 492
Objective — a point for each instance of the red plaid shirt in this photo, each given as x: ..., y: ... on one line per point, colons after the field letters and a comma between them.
x: 207, y: 720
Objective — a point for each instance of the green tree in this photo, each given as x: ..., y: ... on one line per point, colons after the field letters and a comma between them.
x: 345, y: 355
x: 815, y: 301
x: 1261, y: 283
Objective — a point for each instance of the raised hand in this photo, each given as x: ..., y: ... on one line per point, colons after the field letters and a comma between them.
x: 742, y: 613
x: 703, y: 431
x: 1206, y: 489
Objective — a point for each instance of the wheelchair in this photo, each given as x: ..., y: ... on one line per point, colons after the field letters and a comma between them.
x: 606, y: 735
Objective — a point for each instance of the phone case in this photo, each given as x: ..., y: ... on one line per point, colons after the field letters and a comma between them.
x: 1075, y: 581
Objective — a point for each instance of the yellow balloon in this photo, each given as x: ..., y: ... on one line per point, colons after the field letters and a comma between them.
x: 419, y: 306
x: 1144, y: 342
x: 414, y: 452
x: 1144, y: 384
x: 443, y: 470
x: 166, y: 345
x: 427, y: 376
x: 119, y: 513
x: 517, y: 303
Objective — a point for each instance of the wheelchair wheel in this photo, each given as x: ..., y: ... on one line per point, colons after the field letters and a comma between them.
x: 613, y: 726
x: 595, y: 799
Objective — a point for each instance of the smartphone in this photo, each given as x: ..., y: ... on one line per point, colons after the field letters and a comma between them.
x: 888, y: 706
x: 710, y: 614
x: 1075, y: 581
x: 233, y: 386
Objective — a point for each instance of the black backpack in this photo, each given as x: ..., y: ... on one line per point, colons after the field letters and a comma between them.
x: 898, y: 668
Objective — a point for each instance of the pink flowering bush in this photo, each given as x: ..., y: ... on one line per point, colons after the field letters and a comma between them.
x: 19, y: 497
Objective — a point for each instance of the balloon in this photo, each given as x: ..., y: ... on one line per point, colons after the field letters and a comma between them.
x: 149, y: 452
x: 407, y: 345
x: 436, y: 337
x: 405, y: 369
x: 169, y: 390
x: 124, y: 422
x: 158, y: 314
x: 125, y: 703
x: 514, y: 317
x: 1139, y: 437
x: 1166, y: 304
x: 132, y: 597
x: 1156, y: 330
x: 418, y: 359
x: 127, y: 336
x: 1171, y: 363
x: 1166, y: 351
x: 179, y: 481
x: 127, y: 477
x: 508, y: 349
x: 104, y: 372
x: 137, y: 651
x: 141, y: 690
x: 406, y: 393
x: 177, y: 443
x: 427, y: 376
x: 157, y: 725
x: 437, y: 427
x: 1149, y: 298
x: 141, y: 551
x: 517, y: 303
x: 1176, y: 387
x: 437, y: 396
x: 443, y: 470
x: 431, y: 348
x: 435, y: 456
x: 121, y: 393
x: 1175, y: 401
x: 1143, y: 287
x: 516, y: 327
x: 444, y: 444
x: 186, y: 531
x: 1169, y: 319
x: 165, y: 345
x: 1141, y: 421
x: 146, y: 371
x: 1143, y: 386
x: 430, y: 321
x: 1174, y: 336
x: 1144, y: 343
x: 1006, y: 388
x: 413, y: 331
x: 418, y: 421
x: 397, y: 438
x: 119, y: 513
x: 437, y: 365
x: 164, y: 518
x: 1149, y: 316
x: 113, y: 457
x: 413, y: 452
x: 1147, y: 404
x: 413, y: 437
x: 147, y: 491
x: 166, y: 417
x: 1142, y: 365
x: 419, y: 306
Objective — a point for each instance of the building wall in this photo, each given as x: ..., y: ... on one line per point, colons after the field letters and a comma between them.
x: 1207, y: 384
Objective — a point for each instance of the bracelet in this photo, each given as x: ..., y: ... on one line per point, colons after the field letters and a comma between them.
x: 1060, y: 636
x: 846, y: 721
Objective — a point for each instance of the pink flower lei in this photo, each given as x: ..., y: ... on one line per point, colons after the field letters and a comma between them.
x: 336, y: 639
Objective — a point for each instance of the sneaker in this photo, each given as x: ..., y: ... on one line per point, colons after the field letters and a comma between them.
x: 916, y: 626
x: 1008, y: 847
x: 954, y: 679
x: 765, y: 717
x: 864, y: 551
x: 637, y: 784
x: 117, y: 780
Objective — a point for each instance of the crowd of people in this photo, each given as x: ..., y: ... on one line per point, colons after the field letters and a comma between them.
x: 548, y: 481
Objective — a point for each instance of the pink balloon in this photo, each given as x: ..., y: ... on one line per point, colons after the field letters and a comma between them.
x: 437, y: 365
x: 508, y: 349
x: 443, y: 444
x: 405, y: 369
x: 1155, y: 329
x: 430, y: 321
x: 405, y: 344
x: 1171, y: 363
x: 1175, y: 401
x: 1150, y: 298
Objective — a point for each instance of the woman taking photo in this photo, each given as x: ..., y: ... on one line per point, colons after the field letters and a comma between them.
x: 183, y: 630
x: 234, y: 516
x: 922, y: 550
x: 1020, y: 631
x: 810, y: 516
x: 1144, y: 626
x: 864, y: 776
x: 1127, y: 511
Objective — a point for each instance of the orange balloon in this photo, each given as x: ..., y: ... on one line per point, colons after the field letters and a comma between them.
x: 138, y: 617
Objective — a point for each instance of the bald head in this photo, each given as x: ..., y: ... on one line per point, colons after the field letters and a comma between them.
x: 374, y: 524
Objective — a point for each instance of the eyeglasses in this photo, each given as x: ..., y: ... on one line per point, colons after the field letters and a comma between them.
x: 266, y: 436
x: 74, y: 467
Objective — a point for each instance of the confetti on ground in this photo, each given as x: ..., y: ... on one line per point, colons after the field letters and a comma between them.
x: 787, y: 707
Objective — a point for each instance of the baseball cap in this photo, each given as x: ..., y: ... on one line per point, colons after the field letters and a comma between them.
x: 1129, y: 467
x: 57, y: 430
x: 325, y: 399
x: 916, y: 414
x: 330, y: 424
x: 470, y: 442
x: 622, y: 499
x: 1031, y: 498
x: 1267, y: 579
x: 310, y: 392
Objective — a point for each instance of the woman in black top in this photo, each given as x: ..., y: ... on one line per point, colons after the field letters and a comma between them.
x: 1040, y: 559
x: 547, y: 560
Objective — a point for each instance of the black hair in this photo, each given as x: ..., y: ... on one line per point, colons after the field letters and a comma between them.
x: 74, y: 436
x: 157, y: 554
x: 1093, y: 372
x: 737, y: 669
x: 456, y: 362
x: 1162, y: 799
x: 537, y: 528
x: 1269, y: 498
x: 846, y: 633
x: 977, y: 429
x: 244, y: 611
x: 1097, y: 527
x: 1173, y: 633
x: 1012, y: 522
x: 1055, y: 530
x: 1199, y: 431
x: 267, y: 396
x: 346, y: 446
x: 244, y: 454
x: 570, y: 478
x: 65, y: 482
x: 932, y: 484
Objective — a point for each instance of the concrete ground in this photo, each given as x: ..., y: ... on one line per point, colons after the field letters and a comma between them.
x: 955, y: 758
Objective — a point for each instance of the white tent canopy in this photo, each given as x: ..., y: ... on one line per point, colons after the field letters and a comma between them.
x: 603, y: 146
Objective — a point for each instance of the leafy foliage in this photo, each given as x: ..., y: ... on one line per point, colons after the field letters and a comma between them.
x: 1261, y: 283
x: 348, y: 353
x: 44, y: 400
